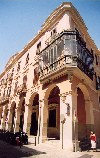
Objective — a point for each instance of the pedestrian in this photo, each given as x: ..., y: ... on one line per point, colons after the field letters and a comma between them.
x: 93, y: 140
x: 17, y: 140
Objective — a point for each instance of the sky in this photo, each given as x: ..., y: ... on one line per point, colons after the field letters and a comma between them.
x: 20, y: 20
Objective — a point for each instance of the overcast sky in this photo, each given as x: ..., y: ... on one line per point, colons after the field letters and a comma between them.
x: 20, y: 20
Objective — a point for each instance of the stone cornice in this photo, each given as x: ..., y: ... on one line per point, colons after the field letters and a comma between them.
x: 53, y: 18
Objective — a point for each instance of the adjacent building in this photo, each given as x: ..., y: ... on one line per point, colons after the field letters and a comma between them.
x: 51, y: 88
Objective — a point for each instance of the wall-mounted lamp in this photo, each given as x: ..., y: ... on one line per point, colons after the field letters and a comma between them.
x: 68, y: 109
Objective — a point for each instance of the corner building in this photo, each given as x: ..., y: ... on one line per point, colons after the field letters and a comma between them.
x: 51, y: 88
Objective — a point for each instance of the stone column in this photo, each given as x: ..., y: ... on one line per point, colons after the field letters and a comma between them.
x: 75, y: 121
x: 66, y: 111
x: 2, y: 115
x: 40, y: 121
x: 7, y: 119
x: 44, y: 118
x: 65, y: 103
x: 17, y: 119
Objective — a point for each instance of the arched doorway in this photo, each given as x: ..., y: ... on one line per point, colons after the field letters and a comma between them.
x: 5, y: 117
x: 12, y: 116
x: 34, y: 115
x: 1, y: 116
x: 22, y: 110
x: 81, y: 114
x: 53, y: 129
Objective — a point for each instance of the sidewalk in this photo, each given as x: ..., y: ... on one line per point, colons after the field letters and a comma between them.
x: 49, y: 150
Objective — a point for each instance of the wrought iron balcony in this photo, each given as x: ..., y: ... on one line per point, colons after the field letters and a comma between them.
x: 66, y: 51
x: 22, y: 88
x: 4, y: 100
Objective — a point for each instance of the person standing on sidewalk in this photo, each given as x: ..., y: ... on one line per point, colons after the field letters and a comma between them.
x: 93, y: 140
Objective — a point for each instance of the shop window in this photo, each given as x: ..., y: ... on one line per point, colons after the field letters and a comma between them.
x: 52, y: 118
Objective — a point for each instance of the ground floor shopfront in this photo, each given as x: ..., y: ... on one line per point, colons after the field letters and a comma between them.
x: 63, y: 110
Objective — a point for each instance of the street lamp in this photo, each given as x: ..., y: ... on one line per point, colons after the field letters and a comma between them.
x: 63, y: 119
x: 75, y: 128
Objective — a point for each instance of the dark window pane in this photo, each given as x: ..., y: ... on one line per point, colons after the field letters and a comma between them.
x: 55, y: 54
x: 52, y: 118
x: 60, y: 47
x: 51, y: 55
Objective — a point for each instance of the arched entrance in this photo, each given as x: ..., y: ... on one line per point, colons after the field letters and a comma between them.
x: 53, y: 124
x: 34, y: 115
x: 12, y: 117
x: 22, y: 110
x: 81, y: 114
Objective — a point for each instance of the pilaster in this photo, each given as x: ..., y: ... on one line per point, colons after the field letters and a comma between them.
x: 25, y: 118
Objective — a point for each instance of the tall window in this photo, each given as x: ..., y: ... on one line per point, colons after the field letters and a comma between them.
x: 38, y: 48
x: 27, y: 58
x: 18, y: 67
x: 16, y: 86
x: 24, y: 81
x: 52, y: 118
x: 53, y: 32
x: 9, y: 91
x: 36, y: 75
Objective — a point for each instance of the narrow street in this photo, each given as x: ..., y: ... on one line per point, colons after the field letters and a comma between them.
x: 45, y: 150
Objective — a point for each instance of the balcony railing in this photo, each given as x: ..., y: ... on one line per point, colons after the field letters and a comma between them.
x: 22, y: 88
x: 68, y: 49
x: 4, y: 100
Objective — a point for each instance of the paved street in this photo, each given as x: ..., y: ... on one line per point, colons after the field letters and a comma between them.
x: 45, y: 150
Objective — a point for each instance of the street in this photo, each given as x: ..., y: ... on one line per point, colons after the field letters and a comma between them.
x: 44, y: 150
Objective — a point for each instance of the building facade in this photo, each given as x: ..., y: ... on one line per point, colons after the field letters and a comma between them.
x: 51, y: 89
